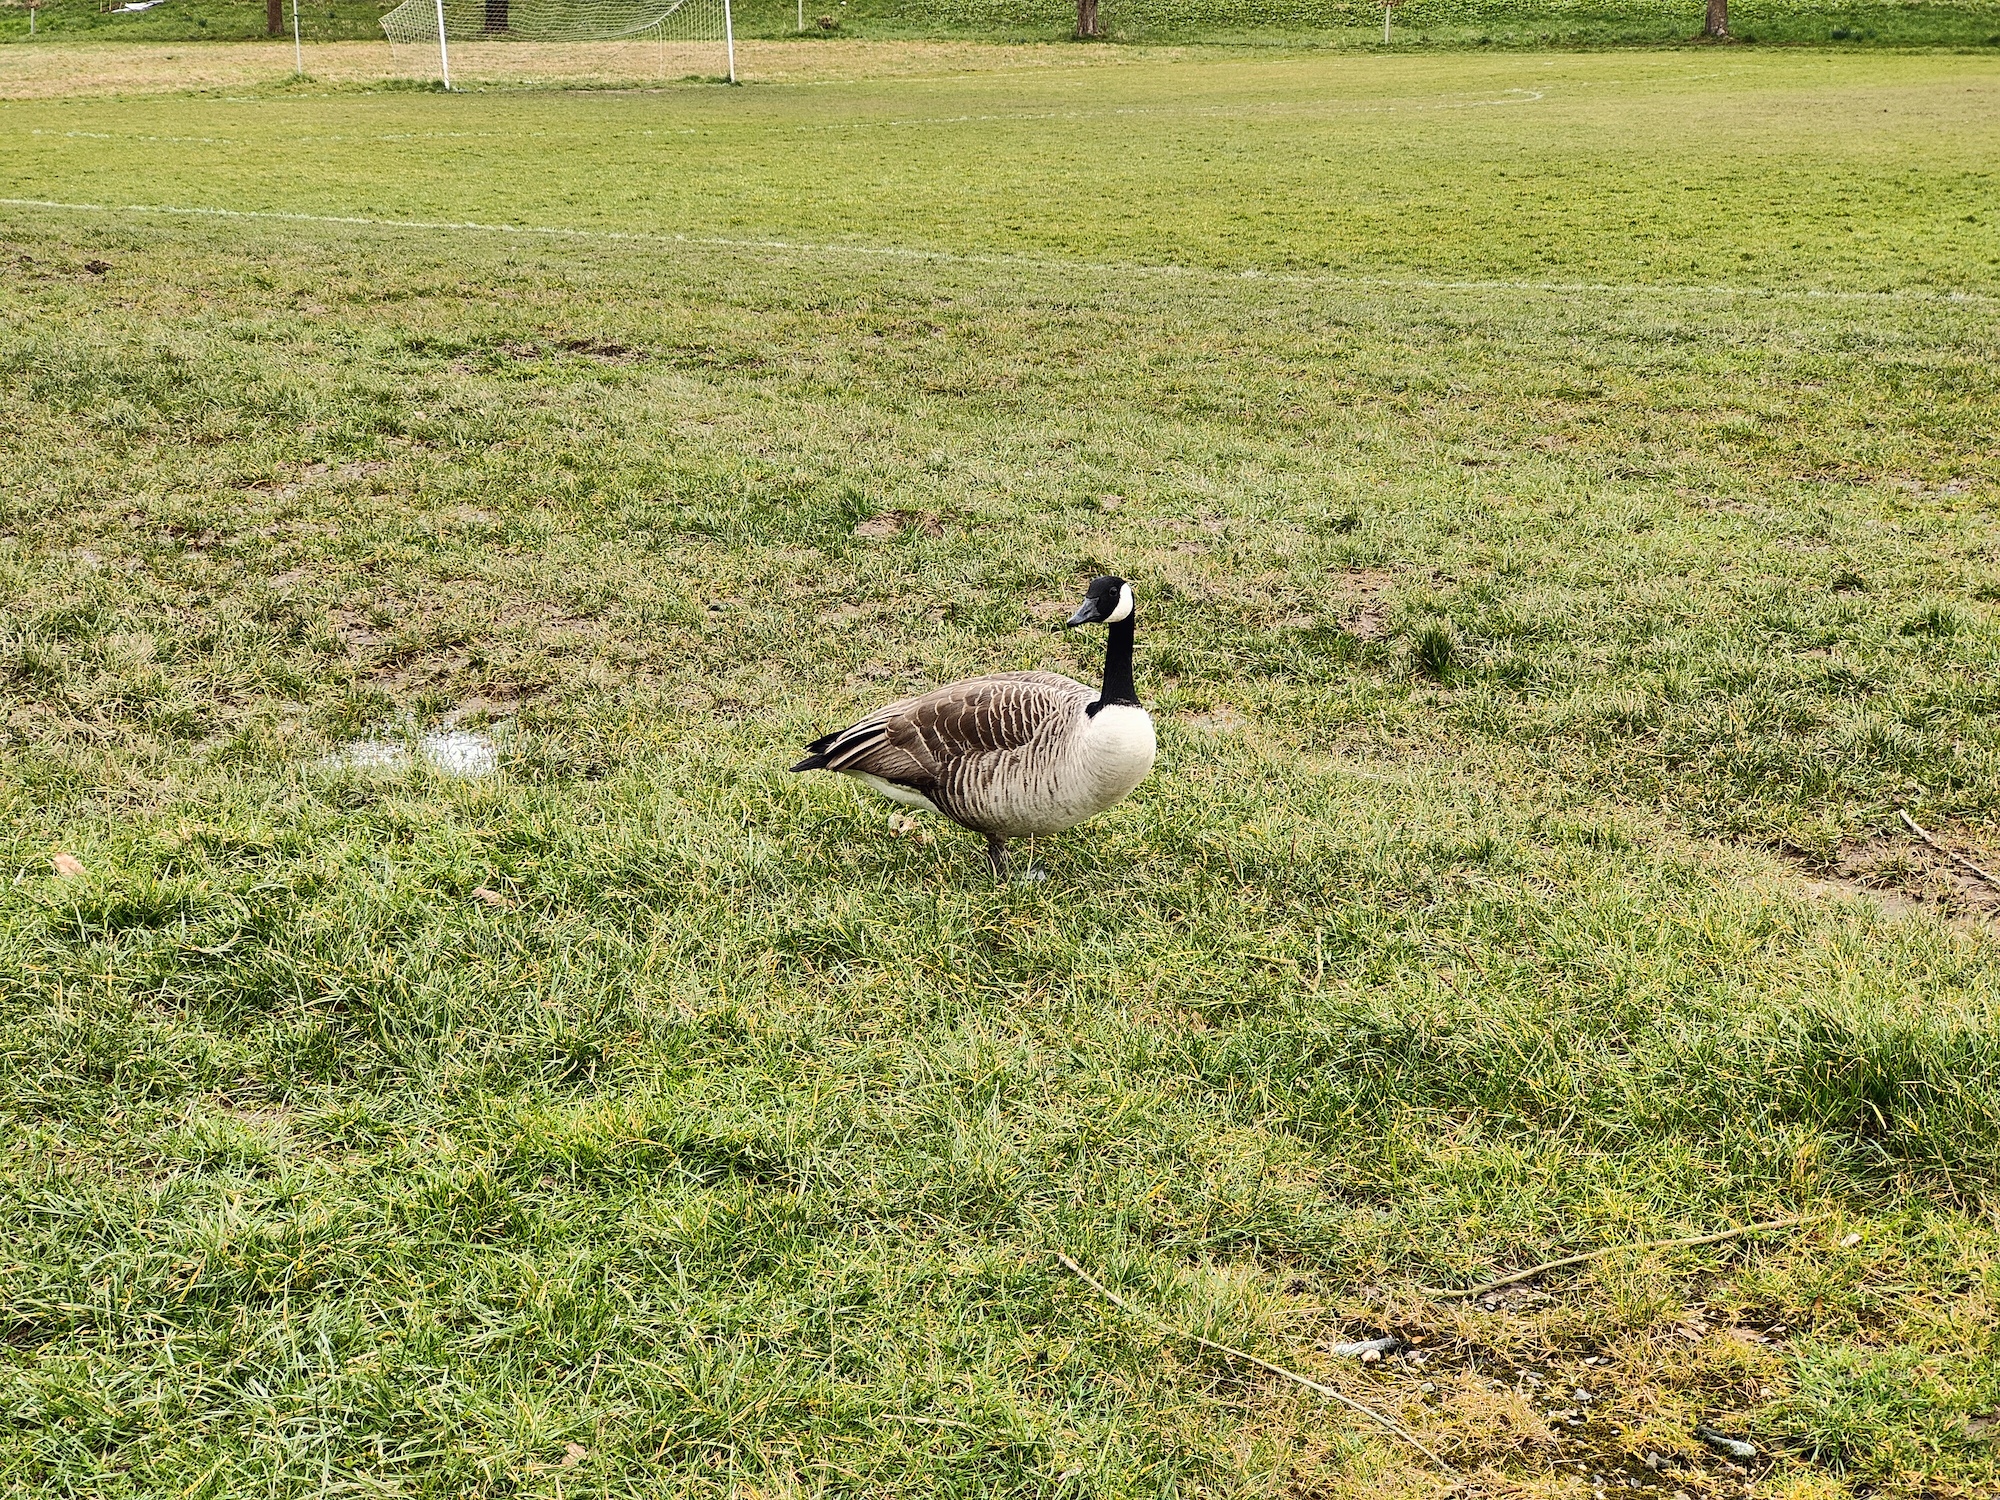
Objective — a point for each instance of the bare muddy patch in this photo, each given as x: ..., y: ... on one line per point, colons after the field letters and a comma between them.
x: 604, y: 351
x: 1902, y: 874
x: 895, y: 523
x: 1364, y: 615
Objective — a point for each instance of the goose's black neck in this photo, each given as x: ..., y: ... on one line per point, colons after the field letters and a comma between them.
x: 1118, y: 685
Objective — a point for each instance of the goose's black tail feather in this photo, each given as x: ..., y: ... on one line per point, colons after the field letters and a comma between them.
x: 830, y: 752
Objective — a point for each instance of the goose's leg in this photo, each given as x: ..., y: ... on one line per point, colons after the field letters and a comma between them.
x: 996, y: 855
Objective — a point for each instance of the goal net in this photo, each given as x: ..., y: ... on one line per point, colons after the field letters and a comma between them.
x: 530, y: 41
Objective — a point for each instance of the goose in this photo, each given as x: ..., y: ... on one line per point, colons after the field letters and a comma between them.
x: 1013, y: 754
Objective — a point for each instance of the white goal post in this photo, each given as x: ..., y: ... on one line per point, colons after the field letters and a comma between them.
x: 487, y: 36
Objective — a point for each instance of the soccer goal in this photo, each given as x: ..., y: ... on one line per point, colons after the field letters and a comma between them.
x: 561, y: 40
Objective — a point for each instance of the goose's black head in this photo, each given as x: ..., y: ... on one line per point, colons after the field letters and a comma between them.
x: 1105, y: 602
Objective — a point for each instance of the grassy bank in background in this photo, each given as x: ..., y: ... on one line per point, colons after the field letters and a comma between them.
x: 1561, y: 494
x: 1342, y: 24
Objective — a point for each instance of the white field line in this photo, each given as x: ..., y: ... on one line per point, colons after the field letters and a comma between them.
x: 1054, y: 264
x: 147, y: 140
x: 301, y: 140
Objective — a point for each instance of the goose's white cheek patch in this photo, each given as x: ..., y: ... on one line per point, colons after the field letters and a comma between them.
x: 1124, y: 609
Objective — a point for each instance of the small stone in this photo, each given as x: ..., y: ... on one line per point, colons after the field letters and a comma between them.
x: 1723, y: 1443
x: 67, y: 866
x: 1372, y: 1357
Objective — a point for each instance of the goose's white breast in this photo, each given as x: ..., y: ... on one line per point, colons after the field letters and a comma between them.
x: 1118, y: 749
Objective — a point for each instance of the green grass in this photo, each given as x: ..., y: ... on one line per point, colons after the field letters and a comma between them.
x: 1561, y: 492
x: 1343, y: 24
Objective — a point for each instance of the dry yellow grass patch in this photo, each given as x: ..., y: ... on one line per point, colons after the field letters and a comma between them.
x: 112, y: 68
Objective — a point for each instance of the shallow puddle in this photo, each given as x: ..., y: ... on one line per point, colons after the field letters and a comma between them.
x: 450, y: 752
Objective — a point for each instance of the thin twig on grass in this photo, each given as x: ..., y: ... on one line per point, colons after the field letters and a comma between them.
x: 1263, y: 1364
x: 1957, y: 859
x: 1576, y: 1260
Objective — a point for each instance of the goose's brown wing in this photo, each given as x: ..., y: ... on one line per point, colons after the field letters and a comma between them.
x: 916, y: 743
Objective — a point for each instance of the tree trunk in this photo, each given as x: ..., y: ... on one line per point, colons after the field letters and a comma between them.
x: 1717, y: 23
x: 274, y: 17
x: 496, y: 15
x: 1086, y: 19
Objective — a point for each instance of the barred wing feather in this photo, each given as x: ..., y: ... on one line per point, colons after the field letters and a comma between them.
x: 925, y: 743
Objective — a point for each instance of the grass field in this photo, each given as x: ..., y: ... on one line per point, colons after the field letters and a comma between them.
x: 1562, y: 496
